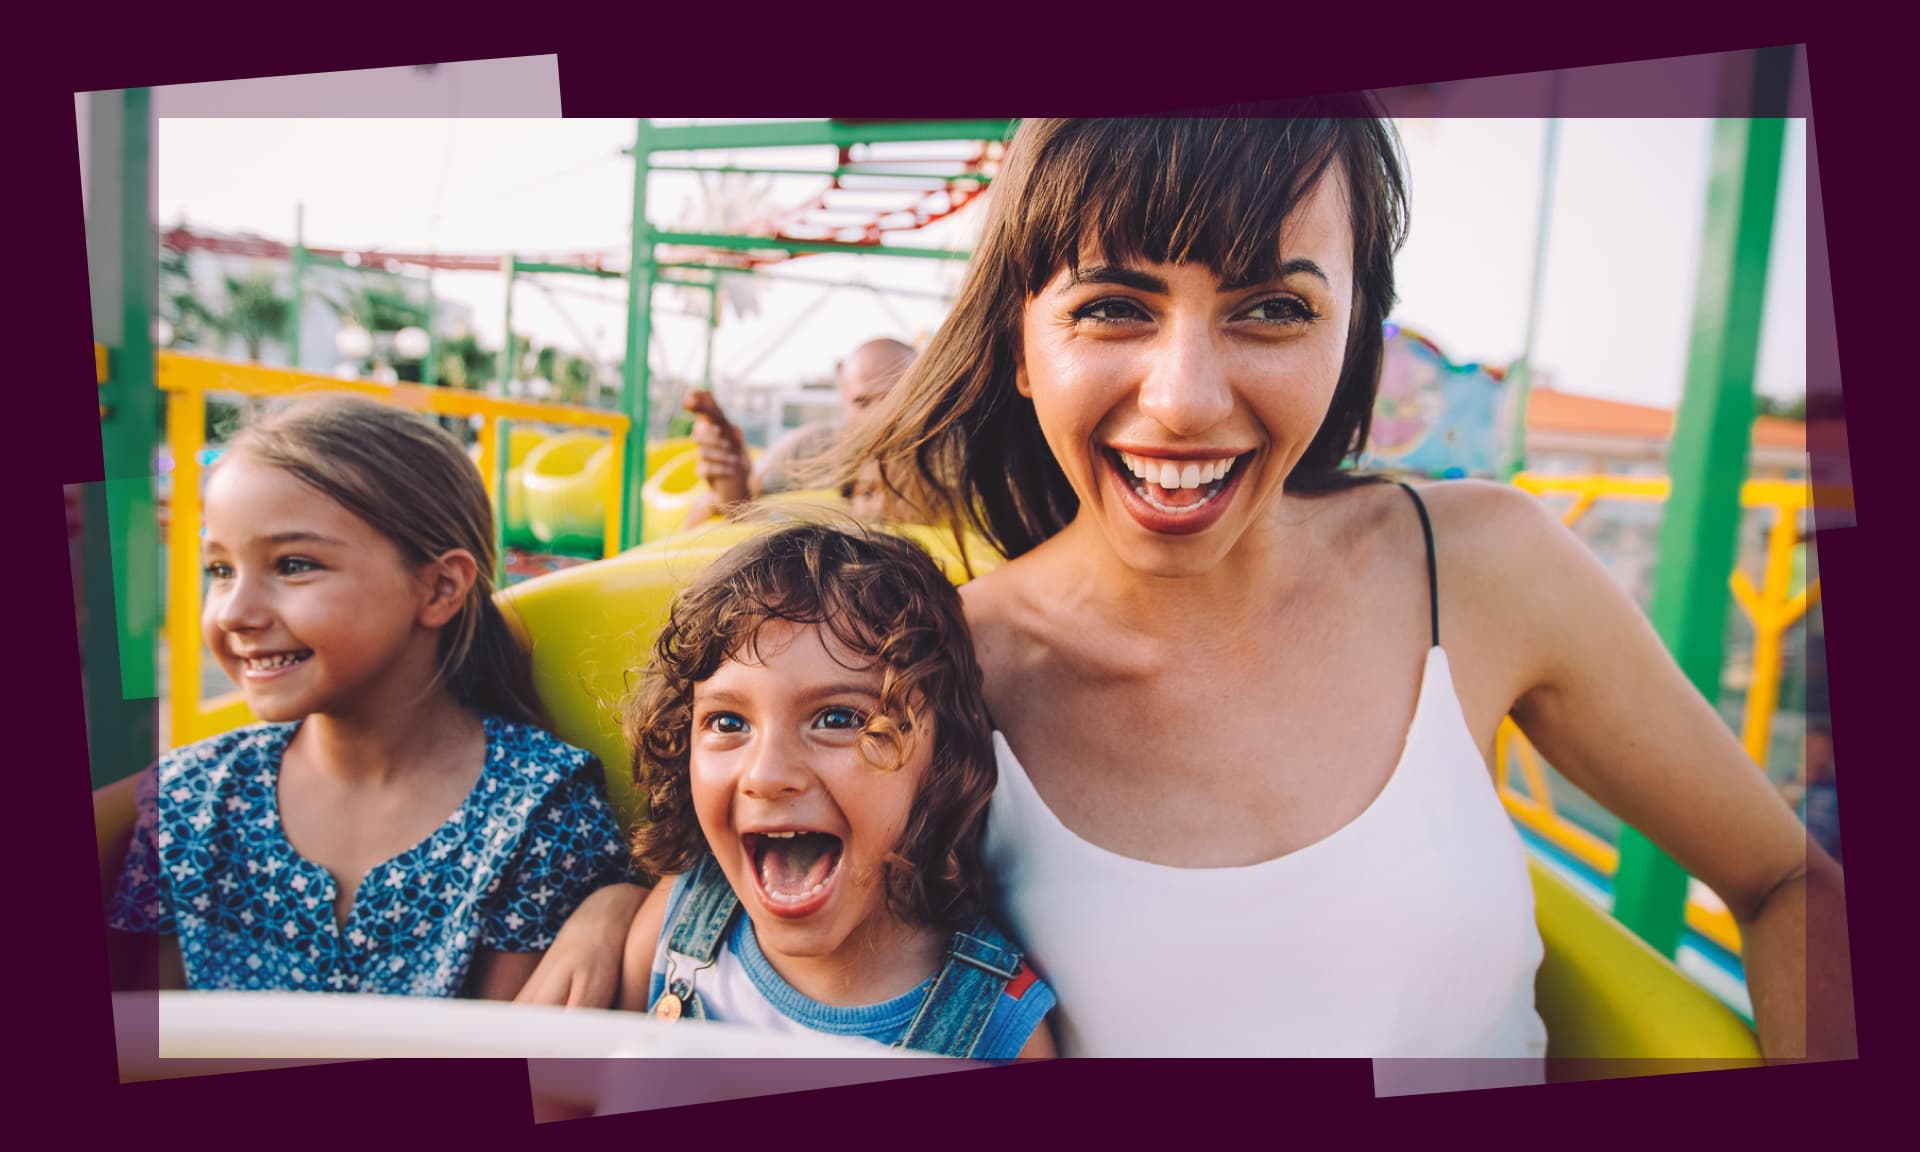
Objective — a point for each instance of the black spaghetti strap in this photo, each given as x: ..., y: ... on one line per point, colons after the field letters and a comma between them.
x: 1433, y: 569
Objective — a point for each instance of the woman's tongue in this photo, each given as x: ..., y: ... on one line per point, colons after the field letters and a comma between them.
x: 1177, y: 497
x: 790, y: 867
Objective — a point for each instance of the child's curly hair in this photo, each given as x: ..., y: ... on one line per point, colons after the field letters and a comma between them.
x: 882, y: 597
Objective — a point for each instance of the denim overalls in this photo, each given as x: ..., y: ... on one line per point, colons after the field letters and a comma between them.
x: 980, y: 963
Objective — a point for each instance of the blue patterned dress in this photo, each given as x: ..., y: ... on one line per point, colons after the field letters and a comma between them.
x: 210, y: 864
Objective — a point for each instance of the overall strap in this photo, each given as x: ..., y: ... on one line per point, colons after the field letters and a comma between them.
x: 980, y: 963
x: 706, y: 912
x: 1433, y: 569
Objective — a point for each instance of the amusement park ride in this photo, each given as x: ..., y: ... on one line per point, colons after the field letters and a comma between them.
x: 1608, y: 987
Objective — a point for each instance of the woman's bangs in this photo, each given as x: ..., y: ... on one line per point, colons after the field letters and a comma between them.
x: 1169, y: 192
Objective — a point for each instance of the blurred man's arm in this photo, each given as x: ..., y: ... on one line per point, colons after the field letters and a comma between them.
x: 721, y: 462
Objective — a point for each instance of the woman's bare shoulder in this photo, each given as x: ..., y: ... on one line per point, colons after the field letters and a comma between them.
x: 1007, y: 632
x: 1491, y: 532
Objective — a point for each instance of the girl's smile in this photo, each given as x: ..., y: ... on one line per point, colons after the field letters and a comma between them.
x: 799, y: 818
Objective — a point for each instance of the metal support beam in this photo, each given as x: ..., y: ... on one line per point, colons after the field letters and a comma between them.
x: 508, y: 266
x: 1708, y: 462
x: 297, y: 275
x: 122, y: 540
x: 728, y: 243
x: 804, y: 133
x: 637, y: 380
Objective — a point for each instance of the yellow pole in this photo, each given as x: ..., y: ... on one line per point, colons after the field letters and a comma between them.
x: 186, y: 434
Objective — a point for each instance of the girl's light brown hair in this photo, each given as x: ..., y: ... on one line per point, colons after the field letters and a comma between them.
x: 410, y: 481
x: 881, y: 597
x: 956, y: 437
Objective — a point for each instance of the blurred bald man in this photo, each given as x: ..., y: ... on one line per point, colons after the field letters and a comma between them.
x: 865, y: 378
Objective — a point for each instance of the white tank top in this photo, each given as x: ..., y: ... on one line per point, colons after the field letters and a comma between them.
x: 1407, y: 933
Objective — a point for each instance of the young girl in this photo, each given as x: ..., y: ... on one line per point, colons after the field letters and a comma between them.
x: 815, y: 752
x: 400, y: 823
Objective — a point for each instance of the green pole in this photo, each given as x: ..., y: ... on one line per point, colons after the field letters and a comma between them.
x: 502, y: 442
x: 1522, y: 378
x: 507, y: 265
x: 636, y: 380
x: 1708, y: 462
x: 122, y: 548
x: 713, y: 325
x: 430, y: 371
x: 297, y: 272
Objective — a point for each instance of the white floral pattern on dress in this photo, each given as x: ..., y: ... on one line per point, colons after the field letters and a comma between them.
x: 210, y: 864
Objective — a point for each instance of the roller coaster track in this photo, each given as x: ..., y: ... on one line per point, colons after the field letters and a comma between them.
x: 863, y: 202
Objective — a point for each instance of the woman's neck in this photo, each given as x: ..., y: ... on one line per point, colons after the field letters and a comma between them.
x: 1275, y: 555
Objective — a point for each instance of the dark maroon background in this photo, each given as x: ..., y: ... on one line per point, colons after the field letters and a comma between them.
x: 1095, y: 59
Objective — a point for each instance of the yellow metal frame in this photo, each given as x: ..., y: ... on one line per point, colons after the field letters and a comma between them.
x: 187, y: 380
x: 1773, y: 607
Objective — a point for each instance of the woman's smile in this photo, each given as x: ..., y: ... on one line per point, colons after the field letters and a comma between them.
x: 1175, y: 494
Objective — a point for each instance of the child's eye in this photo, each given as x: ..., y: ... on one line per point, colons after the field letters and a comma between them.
x: 296, y: 565
x: 724, y: 723
x: 218, y: 571
x: 840, y: 718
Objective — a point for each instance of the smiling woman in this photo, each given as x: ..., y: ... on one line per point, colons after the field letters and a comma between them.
x: 1218, y: 654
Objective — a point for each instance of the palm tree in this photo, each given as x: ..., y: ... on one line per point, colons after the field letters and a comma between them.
x: 256, y: 312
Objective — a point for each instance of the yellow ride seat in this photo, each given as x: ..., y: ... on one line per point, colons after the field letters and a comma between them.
x: 1605, y: 995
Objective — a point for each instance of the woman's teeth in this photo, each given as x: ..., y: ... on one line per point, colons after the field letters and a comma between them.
x: 1157, y: 481
x: 1171, y: 475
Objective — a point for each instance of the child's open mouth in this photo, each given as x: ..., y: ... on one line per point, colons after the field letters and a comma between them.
x: 794, y: 869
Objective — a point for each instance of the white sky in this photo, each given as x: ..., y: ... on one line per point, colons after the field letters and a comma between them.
x: 1620, y: 264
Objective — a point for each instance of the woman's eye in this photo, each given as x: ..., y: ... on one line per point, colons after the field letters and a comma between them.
x: 840, y: 718
x: 1110, y: 311
x: 1283, y: 309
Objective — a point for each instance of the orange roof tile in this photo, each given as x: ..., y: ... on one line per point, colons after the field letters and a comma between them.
x: 1550, y: 411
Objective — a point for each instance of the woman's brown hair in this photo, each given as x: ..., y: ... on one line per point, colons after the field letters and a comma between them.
x: 411, y: 481
x: 883, y: 598
x: 956, y: 436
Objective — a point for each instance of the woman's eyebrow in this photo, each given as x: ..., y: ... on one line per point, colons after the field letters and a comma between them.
x: 1297, y: 265
x: 1110, y: 274
x: 1144, y: 282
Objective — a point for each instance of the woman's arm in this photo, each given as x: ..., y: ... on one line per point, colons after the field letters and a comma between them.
x: 500, y: 975
x: 1598, y: 694
x: 582, y: 969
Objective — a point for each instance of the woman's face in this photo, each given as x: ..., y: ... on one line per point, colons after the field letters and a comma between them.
x: 1177, y: 404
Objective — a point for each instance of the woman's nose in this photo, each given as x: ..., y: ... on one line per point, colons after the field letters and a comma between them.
x: 1187, y: 389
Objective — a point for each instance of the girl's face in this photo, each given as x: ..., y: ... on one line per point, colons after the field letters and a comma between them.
x: 1177, y: 404
x: 799, y: 820
x: 308, y: 608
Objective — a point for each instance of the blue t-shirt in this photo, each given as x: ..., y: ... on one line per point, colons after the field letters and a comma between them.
x: 210, y: 864
x: 744, y: 988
